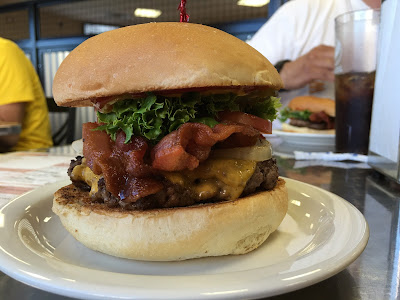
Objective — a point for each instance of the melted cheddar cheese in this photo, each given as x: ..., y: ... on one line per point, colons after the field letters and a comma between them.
x: 214, y: 178
x: 83, y: 173
x: 221, y: 178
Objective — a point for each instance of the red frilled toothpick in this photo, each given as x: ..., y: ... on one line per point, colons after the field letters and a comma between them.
x: 182, y: 8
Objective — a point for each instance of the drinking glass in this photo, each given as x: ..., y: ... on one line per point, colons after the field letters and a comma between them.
x: 355, y: 65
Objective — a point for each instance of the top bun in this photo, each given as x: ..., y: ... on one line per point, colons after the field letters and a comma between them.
x: 313, y: 104
x: 159, y: 57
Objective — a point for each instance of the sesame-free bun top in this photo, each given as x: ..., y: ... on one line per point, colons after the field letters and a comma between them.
x: 159, y: 57
x: 313, y: 104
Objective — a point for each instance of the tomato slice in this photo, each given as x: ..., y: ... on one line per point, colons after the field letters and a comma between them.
x: 264, y: 126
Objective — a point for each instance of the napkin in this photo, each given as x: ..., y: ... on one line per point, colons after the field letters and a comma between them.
x: 332, y: 164
x: 331, y: 159
x: 330, y: 156
x: 385, y: 124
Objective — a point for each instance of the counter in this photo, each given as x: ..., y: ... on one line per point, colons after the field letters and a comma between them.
x: 374, y: 275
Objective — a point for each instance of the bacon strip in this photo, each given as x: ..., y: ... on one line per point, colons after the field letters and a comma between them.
x: 191, y: 144
x: 322, y: 117
x: 125, y: 173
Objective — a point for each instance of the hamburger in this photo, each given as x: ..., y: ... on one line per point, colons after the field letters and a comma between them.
x: 309, y: 114
x: 176, y: 166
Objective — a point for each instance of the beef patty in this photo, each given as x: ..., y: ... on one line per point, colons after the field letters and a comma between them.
x: 303, y: 123
x: 264, y: 178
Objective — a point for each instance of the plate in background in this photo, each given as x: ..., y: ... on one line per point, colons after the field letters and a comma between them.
x: 306, y: 139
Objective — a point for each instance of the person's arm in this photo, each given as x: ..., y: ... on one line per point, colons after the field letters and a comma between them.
x: 318, y: 64
x: 13, y: 112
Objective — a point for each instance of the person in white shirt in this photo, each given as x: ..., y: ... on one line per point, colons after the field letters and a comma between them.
x: 299, y: 39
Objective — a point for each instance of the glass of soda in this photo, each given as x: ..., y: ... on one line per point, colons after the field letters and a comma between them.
x: 355, y: 65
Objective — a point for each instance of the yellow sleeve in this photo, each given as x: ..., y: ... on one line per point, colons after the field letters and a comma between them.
x: 15, y: 79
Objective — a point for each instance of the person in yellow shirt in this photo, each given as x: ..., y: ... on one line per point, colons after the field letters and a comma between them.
x: 22, y: 100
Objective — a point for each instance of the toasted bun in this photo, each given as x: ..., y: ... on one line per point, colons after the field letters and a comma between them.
x: 313, y: 104
x: 159, y: 57
x: 290, y: 128
x: 233, y: 227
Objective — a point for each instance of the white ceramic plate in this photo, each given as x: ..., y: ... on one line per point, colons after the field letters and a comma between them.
x: 306, y: 139
x: 321, y: 235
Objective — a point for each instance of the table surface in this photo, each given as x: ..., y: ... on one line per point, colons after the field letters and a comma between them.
x: 374, y: 275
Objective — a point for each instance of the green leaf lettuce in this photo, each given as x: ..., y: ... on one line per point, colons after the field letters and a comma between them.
x: 287, y: 113
x: 153, y: 116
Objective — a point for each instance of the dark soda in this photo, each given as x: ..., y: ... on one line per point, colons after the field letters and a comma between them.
x: 354, y: 96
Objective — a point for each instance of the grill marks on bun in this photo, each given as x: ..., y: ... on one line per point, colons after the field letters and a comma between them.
x: 230, y: 227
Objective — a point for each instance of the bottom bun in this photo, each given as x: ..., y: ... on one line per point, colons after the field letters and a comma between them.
x: 290, y: 128
x: 170, y: 234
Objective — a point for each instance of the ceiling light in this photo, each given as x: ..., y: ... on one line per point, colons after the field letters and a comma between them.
x: 253, y: 3
x: 147, y: 13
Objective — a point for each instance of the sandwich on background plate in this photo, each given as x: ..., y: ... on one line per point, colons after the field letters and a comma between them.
x: 176, y: 166
x: 309, y: 114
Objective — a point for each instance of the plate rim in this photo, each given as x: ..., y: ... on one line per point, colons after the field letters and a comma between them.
x: 313, y: 140
x: 280, y: 132
x: 74, y: 291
